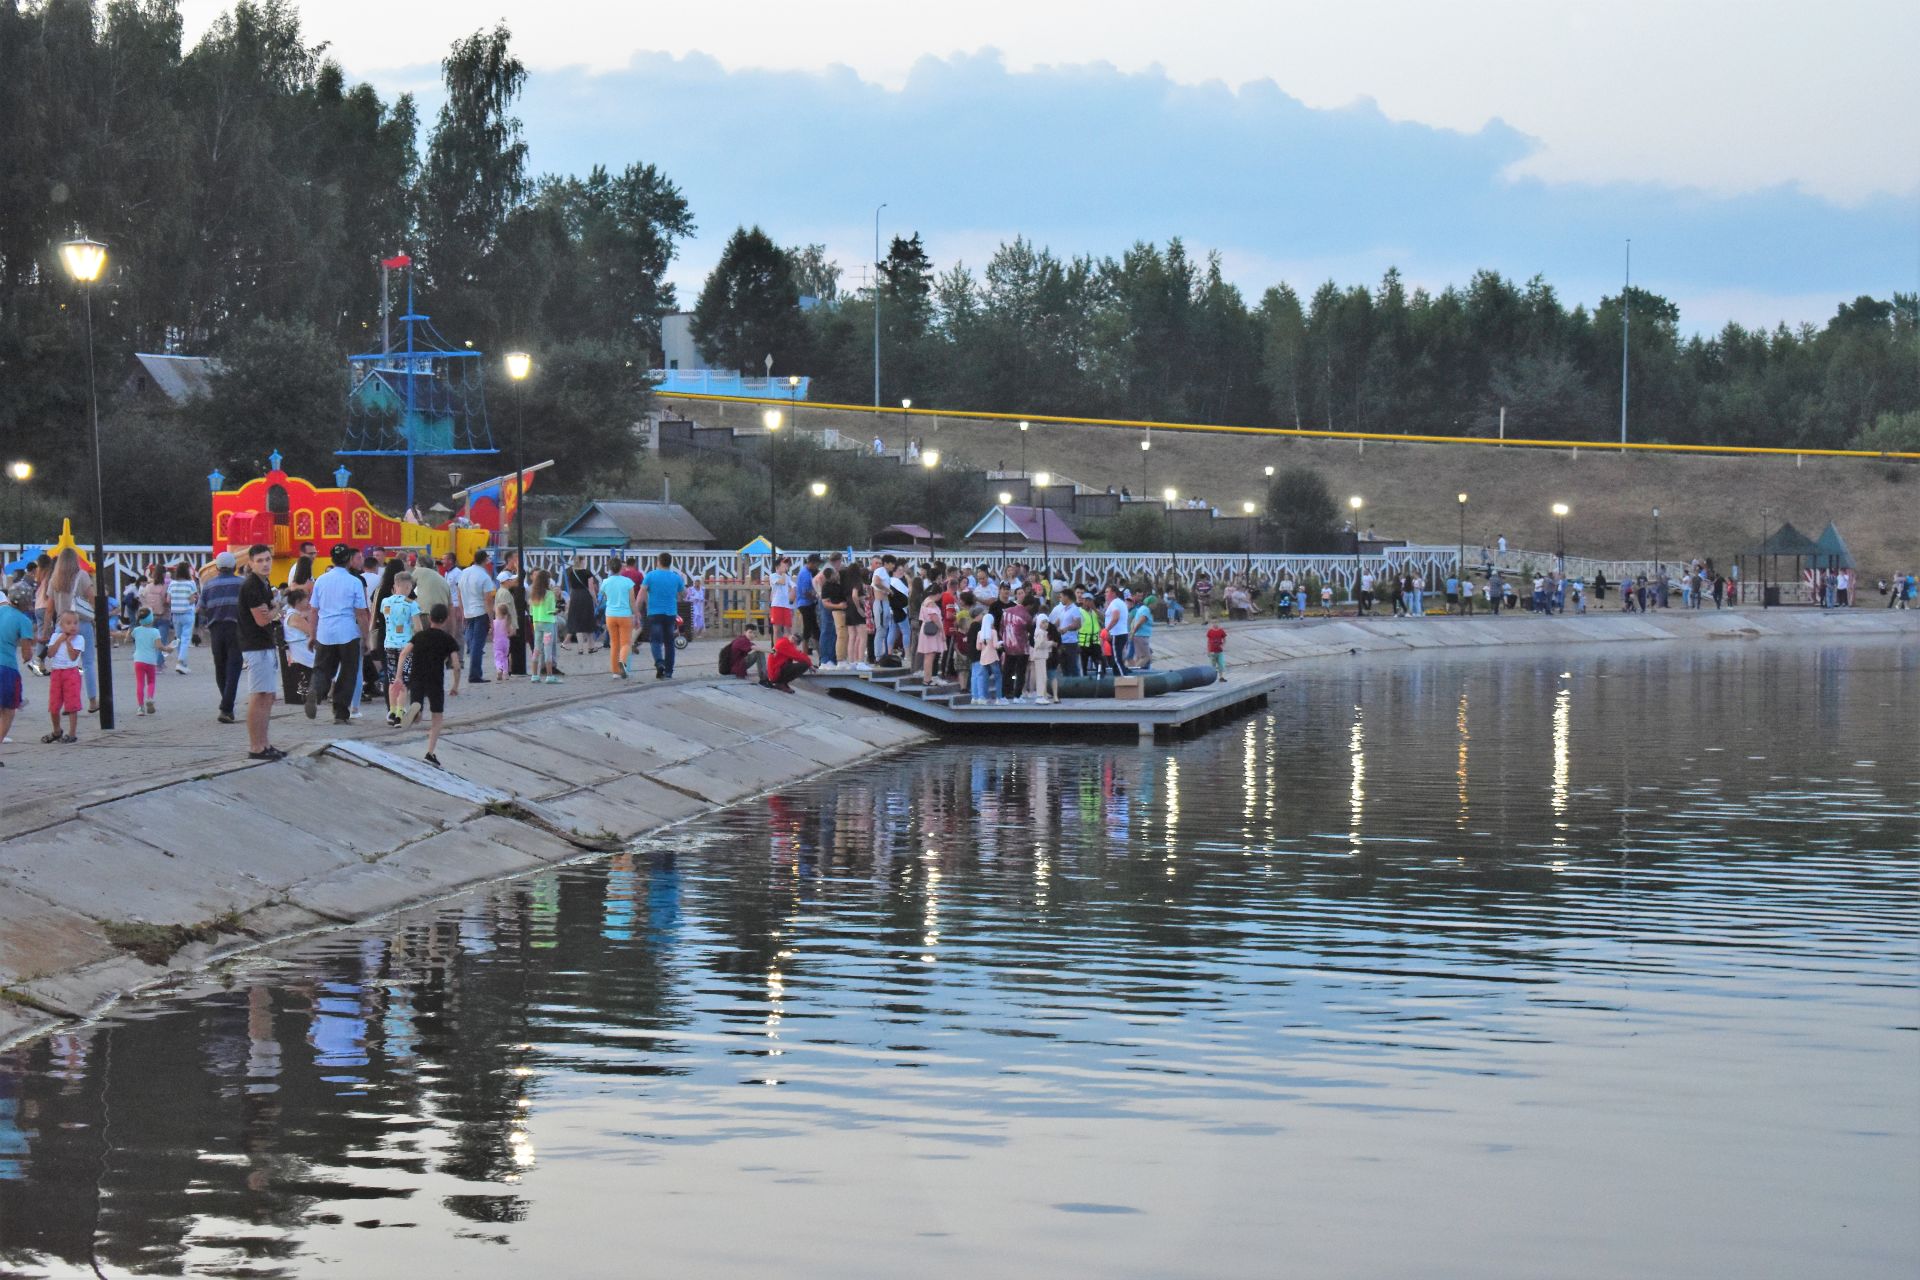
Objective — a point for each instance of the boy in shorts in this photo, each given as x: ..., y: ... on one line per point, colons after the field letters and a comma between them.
x: 64, y: 649
x: 425, y: 657
x: 16, y: 650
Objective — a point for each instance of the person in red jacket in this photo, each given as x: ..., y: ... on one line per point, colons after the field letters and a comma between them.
x: 1217, y: 649
x: 788, y: 660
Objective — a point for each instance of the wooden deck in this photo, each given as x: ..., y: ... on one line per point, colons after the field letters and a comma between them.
x: 948, y: 709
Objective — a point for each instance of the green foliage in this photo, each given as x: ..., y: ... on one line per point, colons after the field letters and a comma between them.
x: 1891, y: 433
x: 749, y: 307
x: 1302, y: 514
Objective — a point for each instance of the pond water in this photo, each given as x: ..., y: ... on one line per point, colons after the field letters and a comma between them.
x: 1597, y: 963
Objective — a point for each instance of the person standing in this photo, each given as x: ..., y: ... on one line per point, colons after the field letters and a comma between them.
x: 617, y: 590
x: 477, y: 589
x: 259, y: 660
x: 580, y: 592
x: 17, y: 631
x: 663, y: 585
x: 806, y: 603
x: 1117, y: 627
x: 340, y: 600
x: 780, y: 597
x: 220, y: 606
x: 183, y: 597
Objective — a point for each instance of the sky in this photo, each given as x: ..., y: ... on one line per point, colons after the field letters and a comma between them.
x: 1764, y: 157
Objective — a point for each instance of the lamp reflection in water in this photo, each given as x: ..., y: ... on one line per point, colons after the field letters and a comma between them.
x: 1357, y: 791
x: 1460, y: 763
x: 1562, y: 753
x: 1170, y: 808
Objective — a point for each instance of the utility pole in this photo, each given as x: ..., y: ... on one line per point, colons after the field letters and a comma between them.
x: 876, y: 305
x: 1626, y: 324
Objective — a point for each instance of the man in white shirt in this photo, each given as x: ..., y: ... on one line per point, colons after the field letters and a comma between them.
x: 1116, y: 624
x: 476, y: 590
x: 340, y: 600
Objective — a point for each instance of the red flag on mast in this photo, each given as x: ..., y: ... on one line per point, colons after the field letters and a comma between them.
x: 397, y: 260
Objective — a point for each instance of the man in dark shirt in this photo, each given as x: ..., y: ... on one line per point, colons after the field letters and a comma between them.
x: 425, y: 660
x: 259, y: 659
x: 220, y: 611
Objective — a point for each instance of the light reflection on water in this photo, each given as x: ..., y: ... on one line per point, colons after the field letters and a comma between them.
x: 1326, y: 993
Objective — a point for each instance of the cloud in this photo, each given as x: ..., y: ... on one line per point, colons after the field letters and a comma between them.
x: 1088, y: 158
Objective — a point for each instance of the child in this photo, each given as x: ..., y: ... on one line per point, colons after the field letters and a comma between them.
x: 1039, y: 655
x: 298, y: 622
x: 1217, y: 650
x: 64, y: 649
x: 696, y: 607
x: 148, y: 654
x: 543, y: 607
x: 505, y: 622
x: 425, y: 658
x: 1326, y: 600
x: 399, y: 611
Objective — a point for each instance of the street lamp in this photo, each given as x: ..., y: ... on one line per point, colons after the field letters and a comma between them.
x: 1005, y: 499
x: 793, y: 400
x: 1560, y: 510
x: 85, y: 259
x: 1167, y: 496
x: 1656, y: 539
x: 905, y: 405
x: 1353, y: 591
x: 929, y: 462
x: 1023, y: 446
x: 21, y: 472
x: 1246, y: 509
x: 1460, y: 565
x: 1040, y: 481
x: 876, y: 304
x: 772, y: 420
x: 519, y: 365
x: 819, y: 490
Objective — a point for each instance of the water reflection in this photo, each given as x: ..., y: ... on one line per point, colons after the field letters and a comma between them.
x: 1310, y: 984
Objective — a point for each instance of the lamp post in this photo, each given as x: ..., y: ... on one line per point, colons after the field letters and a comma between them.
x: 1146, y: 447
x: 1656, y: 539
x: 819, y: 490
x: 772, y: 420
x: 1246, y: 509
x: 1040, y: 482
x: 1560, y: 510
x: 519, y: 365
x: 85, y: 259
x: 1460, y: 565
x: 1005, y: 499
x: 905, y: 405
x: 793, y: 400
x: 21, y: 472
x: 1353, y: 590
x: 1023, y: 448
x: 929, y: 462
x: 876, y: 305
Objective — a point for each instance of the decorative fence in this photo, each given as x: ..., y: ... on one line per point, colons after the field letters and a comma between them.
x: 126, y: 564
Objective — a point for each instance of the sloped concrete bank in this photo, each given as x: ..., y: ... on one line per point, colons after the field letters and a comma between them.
x: 127, y: 891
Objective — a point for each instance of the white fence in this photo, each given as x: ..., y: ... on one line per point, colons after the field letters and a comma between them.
x: 127, y: 564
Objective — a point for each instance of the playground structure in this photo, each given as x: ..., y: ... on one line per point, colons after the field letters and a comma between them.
x: 423, y: 398
x: 282, y: 511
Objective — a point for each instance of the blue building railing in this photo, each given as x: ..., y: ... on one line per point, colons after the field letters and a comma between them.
x: 721, y: 382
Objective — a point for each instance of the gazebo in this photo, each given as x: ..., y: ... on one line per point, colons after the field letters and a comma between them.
x: 1831, y: 549
x: 1782, y: 542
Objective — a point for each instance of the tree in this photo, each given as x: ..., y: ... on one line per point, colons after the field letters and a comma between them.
x: 750, y: 306
x: 816, y: 275
x: 1301, y: 512
x: 474, y: 179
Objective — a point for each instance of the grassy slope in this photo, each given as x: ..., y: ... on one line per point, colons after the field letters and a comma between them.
x: 1708, y: 505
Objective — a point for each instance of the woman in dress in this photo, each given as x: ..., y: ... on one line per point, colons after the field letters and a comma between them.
x: 582, y: 587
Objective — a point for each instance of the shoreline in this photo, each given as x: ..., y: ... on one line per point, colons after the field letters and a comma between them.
x: 130, y: 892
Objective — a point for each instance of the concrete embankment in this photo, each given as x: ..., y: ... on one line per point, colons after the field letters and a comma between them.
x: 122, y: 892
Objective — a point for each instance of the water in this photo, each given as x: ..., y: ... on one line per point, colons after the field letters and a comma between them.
x: 1517, y: 965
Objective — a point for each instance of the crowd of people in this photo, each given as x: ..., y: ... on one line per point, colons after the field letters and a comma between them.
x: 398, y: 628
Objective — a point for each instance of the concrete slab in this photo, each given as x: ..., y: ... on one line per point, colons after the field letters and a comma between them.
x: 221, y: 834
x: 725, y: 776
x: 76, y: 992
x: 420, y: 773
x: 622, y: 809
x: 696, y: 732
x: 17, y: 1022
x: 106, y: 874
x: 485, y: 849
x: 522, y: 749
x: 721, y: 707
x: 660, y: 746
x: 495, y: 774
x: 319, y: 793
x: 38, y: 938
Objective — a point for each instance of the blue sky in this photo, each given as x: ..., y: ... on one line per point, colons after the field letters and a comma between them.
x: 1764, y: 156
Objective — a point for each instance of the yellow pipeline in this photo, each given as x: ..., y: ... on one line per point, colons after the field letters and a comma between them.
x: 1304, y: 433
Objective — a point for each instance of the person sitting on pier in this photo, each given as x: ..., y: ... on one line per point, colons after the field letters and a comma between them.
x: 789, y: 660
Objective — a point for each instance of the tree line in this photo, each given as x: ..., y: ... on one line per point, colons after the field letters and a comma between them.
x: 1156, y: 333
x: 246, y: 191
